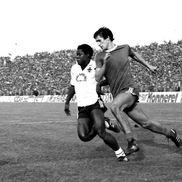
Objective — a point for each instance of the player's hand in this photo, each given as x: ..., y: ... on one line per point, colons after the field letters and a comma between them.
x: 67, y: 109
x: 107, y: 55
x: 153, y: 69
x: 99, y: 90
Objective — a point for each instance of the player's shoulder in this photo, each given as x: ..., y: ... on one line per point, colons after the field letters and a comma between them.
x: 123, y: 46
x: 92, y: 62
x: 74, y: 66
x: 100, y: 52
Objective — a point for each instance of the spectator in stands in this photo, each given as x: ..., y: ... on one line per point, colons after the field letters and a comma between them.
x: 52, y: 69
x: 35, y: 92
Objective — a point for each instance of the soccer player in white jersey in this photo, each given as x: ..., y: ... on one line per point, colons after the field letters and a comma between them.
x: 90, y: 114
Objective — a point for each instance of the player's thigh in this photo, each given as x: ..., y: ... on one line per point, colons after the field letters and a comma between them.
x: 84, y: 125
x: 123, y: 100
x: 138, y: 115
x: 97, y: 116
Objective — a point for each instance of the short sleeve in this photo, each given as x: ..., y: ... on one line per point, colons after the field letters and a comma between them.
x: 131, y: 52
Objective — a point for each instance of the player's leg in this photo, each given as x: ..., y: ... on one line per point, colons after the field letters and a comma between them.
x: 85, y: 129
x: 111, y: 125
x: 142, y: 119
x: 98, y: 117
x: 120, y: 102
x: 108, y: 123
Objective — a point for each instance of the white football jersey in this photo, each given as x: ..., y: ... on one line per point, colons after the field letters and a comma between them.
x: 84, y: 83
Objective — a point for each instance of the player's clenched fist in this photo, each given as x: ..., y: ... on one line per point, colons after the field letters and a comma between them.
x: 67, y: 109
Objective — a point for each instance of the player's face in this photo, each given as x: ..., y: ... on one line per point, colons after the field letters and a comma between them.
x: 102, y: 43
x: 81, y: 57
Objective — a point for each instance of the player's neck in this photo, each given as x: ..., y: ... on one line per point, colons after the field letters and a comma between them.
x: 85, y: 65
x: 111, y: 47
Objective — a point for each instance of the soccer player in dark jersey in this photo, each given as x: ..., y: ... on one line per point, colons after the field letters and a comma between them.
x: 90, y: 114
x: 113, y: 64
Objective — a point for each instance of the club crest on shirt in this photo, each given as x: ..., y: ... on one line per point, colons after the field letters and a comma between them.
x: 81, y: 77
x: 89, y: 69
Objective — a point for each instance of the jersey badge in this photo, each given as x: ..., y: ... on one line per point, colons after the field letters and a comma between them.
x: 89, y: 69
x: 81, y: 77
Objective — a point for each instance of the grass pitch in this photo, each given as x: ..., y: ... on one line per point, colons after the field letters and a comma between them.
x: 38, y: 143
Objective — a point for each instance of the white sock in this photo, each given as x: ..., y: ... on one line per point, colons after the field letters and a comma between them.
x: 120, y: 153
x: 106, y: 124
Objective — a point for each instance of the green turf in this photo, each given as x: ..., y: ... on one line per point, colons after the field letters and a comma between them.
x: 38, y: 143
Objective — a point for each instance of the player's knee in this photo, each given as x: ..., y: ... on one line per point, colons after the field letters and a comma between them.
x: 101, y: 133
x: 114, y: 108
x: 83, y: 137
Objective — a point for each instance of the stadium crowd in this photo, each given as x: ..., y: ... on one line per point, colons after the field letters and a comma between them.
x: 48, y: 73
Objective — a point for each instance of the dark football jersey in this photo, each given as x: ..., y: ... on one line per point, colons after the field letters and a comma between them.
x: 118, y: 71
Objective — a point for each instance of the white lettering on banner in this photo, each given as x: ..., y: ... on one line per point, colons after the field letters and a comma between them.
x: 20, y: 99
x: 56, y: 98
x: 46, y: 98
x: 37, y: 98
x: 162, y: 97
x: 28, y: 98
x: 145, y: 97
x: 107, y: 97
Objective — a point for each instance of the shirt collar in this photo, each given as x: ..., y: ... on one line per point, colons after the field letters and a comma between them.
x: 112, y: 49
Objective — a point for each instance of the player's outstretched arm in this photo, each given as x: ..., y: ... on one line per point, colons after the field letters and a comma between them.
x: 137, y: 57
x: 70, y: 94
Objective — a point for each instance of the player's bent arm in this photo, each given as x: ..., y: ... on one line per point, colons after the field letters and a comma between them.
x: 100, y: 68
x: 99, y: 73
x: 70, y: 94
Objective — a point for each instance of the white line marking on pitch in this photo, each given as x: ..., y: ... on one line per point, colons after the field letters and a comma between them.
x: 38, y: 122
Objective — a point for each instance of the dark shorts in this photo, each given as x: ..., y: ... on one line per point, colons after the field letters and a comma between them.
x: 135, y: 93
x: 84, y: 112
